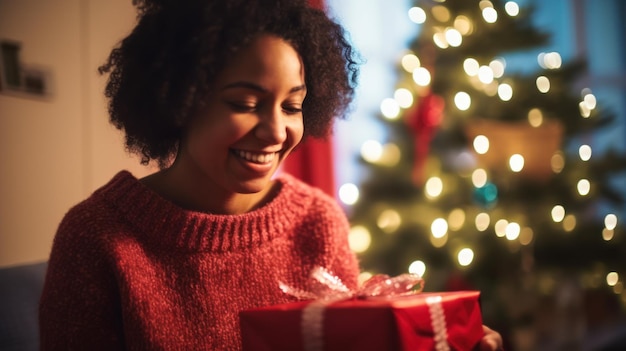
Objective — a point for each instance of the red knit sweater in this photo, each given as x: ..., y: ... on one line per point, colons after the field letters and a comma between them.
x: 130, y: 270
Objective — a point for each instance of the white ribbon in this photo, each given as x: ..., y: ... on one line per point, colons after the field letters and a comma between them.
x: 438, y: 321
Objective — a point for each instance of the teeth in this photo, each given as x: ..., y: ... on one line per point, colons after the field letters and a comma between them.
x: 255, y: 157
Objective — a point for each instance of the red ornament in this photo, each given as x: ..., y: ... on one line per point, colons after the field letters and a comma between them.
x: 423, y: 121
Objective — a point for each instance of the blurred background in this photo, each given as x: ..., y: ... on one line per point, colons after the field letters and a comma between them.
x: 486, y: 149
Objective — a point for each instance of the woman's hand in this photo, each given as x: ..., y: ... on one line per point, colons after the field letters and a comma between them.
x: 491, y: 341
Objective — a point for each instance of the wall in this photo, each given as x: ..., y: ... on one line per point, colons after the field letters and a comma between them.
x: 55, y: 151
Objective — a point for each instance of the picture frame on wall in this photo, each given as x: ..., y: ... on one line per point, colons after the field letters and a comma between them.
x: 19, y: 79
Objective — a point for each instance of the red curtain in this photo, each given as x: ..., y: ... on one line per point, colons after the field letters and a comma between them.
x: 313, y: 161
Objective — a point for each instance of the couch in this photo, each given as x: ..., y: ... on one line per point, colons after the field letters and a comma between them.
x: 20, y: 289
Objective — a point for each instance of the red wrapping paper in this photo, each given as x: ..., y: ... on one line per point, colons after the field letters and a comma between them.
x: 402, y: 323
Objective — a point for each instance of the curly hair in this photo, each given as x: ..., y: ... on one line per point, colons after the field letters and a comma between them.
x: 164, y: 69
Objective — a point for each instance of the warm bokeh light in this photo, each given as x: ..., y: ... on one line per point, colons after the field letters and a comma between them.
x: 439, y: 228
x: 543, y: 84
x: 441, y: 13
x: 490, y: 15
x: 465, y: 257
x: 421, y: 76
x: 417, y: 267
x: 456, y: 219
x: 505, y: 92
x: 569, y: 223
x: 535, y: 117
x: 482, y: 221
x: 512, y: 231
x: 371, y: 151
x: 511, y: 8
x: 526, y: 236
x: 389, y: 221
x: 497, y: 67
x: 479, y: 178
x: 462, y: 100
x: 453, y: 37
x: 471, y: 66
x: 610, y: 221
x: 417, y: 15
x: 410, y: 62
x: 481, y: 144
x: 500, y: 227
x: 390, y: 108
x: 557, y: 162
x: 349, y: 194
x: 403, y: 97
x: 549, y: 60
x: 463, y: 24
x: 584, y: 151
x: 485, y: 74
x: 359, y: 239
x: 558, y: 213
x: 584, y: 187
x: 434, y: 187
x: 612, y: 278
x: 516, y: 163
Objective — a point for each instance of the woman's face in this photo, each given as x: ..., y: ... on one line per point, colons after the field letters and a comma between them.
x: 251, y: 122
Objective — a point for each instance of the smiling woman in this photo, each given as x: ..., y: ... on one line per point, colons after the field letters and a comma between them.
x: 218, y: 94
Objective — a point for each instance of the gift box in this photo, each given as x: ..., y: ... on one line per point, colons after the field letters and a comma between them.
x: 424, y: 321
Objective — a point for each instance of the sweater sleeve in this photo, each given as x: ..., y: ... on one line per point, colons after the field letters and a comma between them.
x: 79, y: 307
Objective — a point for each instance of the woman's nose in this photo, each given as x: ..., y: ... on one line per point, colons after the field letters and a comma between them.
x: 272, y: 127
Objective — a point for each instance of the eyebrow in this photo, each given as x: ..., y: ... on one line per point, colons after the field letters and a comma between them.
x: 253, y: 86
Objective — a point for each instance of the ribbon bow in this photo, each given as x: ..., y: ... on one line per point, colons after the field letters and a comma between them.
x: 326, y: 286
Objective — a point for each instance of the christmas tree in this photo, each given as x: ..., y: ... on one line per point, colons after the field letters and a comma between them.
x: 488, y: 180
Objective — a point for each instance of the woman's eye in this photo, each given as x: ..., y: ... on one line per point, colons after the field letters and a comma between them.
x: 292, y: 109
x: 242, y: 107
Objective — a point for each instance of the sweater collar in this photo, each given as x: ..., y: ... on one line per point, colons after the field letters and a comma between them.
x: 165, y: 224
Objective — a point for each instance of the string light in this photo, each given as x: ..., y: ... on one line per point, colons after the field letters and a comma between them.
x: 549, y: 60
x: 456, y: 219
x: 511, y: 8
x: 417, y: 15
x: 464, y: 25
x: 440, y: 40
x: 505, y: 92
x: 421, y: 76
x: 584, y: 187
x: 584, y: 151
x: 417, y: 267
x: 516, y: 163
x: 512, y: 231
x: 403, y: 97
x: 557, y: 162
x: 453, y: 37
x: 441, y: 13
x: 465, y: 257
x: 390, y: 108
x: 526, y: 236
x: 608, y: 234
x: 439, y: 228
x: 371, y: 151
x: 569, y: 223
x: 543, y: 84
x: 610, y: 221
x: 497, y: 67
x: 359, y: 239
x: 389, y: 221
x: 349, y: 194
x: 485, y: 74
x: 482, y: 221
x: 410, y: 62
x: 479, y: 178
x: 471, y: 66
x: 500, y: 227
x: 558, y: 213
x: 535, y: 117
x: 434, y: 187
x: 612, y: 278
x: 490, y: 14
x: 481, y: 144
x: 462, y: 100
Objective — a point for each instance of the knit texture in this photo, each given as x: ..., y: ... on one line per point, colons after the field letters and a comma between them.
x: 130, y: 270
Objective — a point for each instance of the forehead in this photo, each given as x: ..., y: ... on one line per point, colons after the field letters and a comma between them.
x: 266, y: 59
